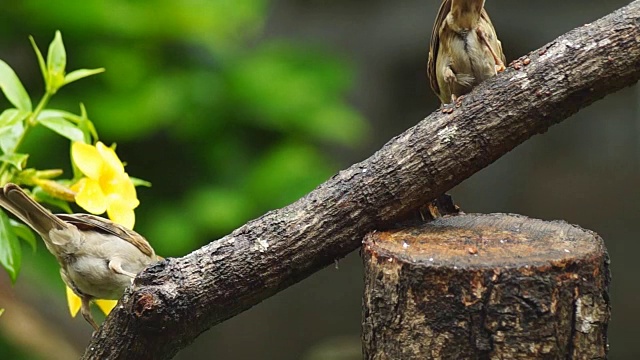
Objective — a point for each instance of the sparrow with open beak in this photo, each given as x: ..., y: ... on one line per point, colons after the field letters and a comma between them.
x: 464, y: 49
x: 98, y: 258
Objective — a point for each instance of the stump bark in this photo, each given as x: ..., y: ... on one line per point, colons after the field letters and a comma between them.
x: 486, y: 287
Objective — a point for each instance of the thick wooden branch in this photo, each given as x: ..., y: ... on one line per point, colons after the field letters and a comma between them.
x: 174, y: 301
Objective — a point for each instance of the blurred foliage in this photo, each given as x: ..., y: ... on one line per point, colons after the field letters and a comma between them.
x: 18, y: 121
x: 226, y: 125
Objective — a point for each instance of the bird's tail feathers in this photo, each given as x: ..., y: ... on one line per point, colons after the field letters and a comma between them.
x: 17, y: 202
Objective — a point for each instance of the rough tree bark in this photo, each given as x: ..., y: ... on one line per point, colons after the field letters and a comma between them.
x: 486, y: 287
x: 174, y: 301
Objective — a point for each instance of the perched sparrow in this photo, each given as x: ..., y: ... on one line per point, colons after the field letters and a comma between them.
x: 98, y: 258
x: 464, y: 49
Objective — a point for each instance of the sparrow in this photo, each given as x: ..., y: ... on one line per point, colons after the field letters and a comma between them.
x: 98, y: 258
x: 464, y: 49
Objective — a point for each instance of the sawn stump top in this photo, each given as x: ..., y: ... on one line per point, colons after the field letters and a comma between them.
x: 487, y: 241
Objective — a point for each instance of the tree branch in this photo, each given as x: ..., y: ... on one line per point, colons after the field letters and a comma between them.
x: 174, y: 301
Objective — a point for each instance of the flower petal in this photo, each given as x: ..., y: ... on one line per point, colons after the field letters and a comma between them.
x: 74, y: 302
x: 110, y: 158
x: 87, y: 159
x: 106, y: 305
x: 120, y: 188
x: 90, y: 196
x: 120, y: 213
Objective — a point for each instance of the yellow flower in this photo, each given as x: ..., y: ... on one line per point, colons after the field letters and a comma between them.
x: 75, y: 303
x: 106, y: 186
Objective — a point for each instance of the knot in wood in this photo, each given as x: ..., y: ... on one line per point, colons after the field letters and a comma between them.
x: 143, y: 304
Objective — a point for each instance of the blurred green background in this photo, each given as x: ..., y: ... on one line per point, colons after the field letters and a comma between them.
x: 235, y: 107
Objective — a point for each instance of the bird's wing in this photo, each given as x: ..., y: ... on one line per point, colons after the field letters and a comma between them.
x: 434, y: 46
x: 485, y: 16
x: 86, y: 222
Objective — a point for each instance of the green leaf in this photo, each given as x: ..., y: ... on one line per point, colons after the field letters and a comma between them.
x: 43, y: 66
x: 139, y: 182
x: 43, y: 197
x: 56, y: 63
x: 1, y: 312
x: 24, y: 232
x: 11, y: 129
x: 9, y: 136
x: 81, y: 122
x: 54, y: 113
x: 13, y: 89
x: 10, y: 252
x: 81, y: 73
x: 63, y: 127
x: 11, y: 116
x: 17, y: 160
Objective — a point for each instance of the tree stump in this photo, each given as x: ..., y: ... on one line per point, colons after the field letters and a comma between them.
x: 492, y: 286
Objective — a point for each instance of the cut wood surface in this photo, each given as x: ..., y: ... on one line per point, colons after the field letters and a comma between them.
x: 486, y: 287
